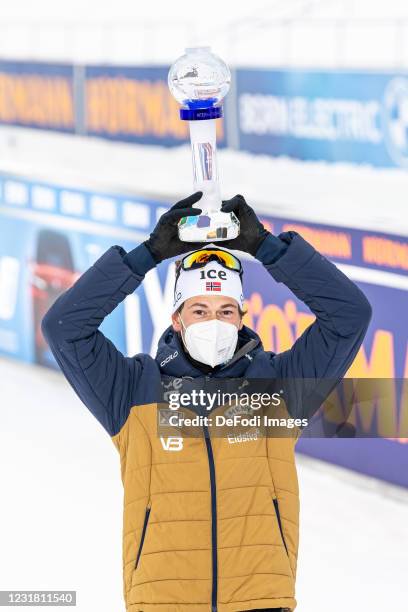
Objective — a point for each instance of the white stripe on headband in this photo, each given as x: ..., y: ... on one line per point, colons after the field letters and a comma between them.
x: 211, y: 279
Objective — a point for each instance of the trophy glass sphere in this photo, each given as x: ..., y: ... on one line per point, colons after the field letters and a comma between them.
x: 199, y: 81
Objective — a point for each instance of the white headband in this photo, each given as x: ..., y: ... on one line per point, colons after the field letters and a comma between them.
x: 211, y: 279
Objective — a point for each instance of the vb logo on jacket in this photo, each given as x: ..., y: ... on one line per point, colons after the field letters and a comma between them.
x: 172, y: 443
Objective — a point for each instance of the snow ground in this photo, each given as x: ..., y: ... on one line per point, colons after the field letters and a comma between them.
x: 336, y: 194
x: 61, y: 512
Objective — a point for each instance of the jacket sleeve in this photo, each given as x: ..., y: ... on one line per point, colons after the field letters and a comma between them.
x: 103, y: 378
x: 329, y: 345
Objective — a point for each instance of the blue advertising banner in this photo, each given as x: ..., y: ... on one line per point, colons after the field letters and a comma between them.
x: 134, y: 104
x: 37, y: 95
x: 336, y: 116
x: 356, y: 117
x: 61, y: 231
x: 125, y: 103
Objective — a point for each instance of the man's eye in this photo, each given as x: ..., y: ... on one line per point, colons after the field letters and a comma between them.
x: 199, y: 312
x: 227, y: 313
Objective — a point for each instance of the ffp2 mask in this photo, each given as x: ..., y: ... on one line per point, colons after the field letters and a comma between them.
x: 211, y: 342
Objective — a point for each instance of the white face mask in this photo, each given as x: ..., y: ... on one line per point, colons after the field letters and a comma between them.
x: 211, y: 342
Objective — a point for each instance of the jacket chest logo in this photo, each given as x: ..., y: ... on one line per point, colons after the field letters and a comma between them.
x: 172, y: 443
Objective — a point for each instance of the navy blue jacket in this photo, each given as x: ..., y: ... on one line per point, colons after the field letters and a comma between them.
x: 109, y: 383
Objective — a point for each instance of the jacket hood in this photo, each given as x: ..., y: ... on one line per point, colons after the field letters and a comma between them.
x: 172, y: 360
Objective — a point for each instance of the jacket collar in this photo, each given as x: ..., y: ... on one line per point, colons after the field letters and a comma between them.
x: 173, y: 361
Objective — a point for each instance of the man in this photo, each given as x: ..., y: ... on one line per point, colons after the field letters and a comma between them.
x: 208, y: 525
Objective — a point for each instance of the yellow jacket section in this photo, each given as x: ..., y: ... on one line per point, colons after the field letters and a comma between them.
x: 167, y: 520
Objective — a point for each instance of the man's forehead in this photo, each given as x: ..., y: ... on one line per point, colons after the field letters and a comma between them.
x: 207, y: 301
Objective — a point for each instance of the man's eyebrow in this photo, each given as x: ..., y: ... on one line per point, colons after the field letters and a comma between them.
x: 206, y: 305
x: 198, y: 304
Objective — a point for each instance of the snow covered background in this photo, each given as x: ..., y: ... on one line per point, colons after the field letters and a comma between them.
x: 333, y: 33
x: 337, y: 194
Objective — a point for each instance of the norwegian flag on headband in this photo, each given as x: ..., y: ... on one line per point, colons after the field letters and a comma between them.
x: 213, y: 286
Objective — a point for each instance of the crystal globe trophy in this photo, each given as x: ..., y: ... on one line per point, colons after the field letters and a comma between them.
x: 199, y: 80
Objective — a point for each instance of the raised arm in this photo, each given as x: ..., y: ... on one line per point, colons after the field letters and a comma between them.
x: 324, y: 352
x: 107, y: 382
x: 100, y: 374
x: 328, y: 346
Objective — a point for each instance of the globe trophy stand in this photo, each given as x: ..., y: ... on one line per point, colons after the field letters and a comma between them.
x: 199, y: 80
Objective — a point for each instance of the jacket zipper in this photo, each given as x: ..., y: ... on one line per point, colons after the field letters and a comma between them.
x: 275, y: 503
x: 142, y: 537
x: 213, y: 517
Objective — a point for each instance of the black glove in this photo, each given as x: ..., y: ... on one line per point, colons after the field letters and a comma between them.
x: 252, y: 233
x: 164, y: 241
